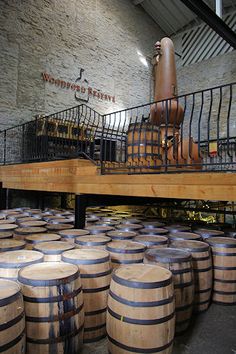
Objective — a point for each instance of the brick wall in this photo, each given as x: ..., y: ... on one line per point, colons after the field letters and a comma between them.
x: 105, y: 38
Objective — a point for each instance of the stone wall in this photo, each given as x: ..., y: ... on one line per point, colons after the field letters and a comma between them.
x: 110, y: 40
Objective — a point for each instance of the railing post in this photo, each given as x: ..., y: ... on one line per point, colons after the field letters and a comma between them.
x: 4, y: 152
x: 102, y: 147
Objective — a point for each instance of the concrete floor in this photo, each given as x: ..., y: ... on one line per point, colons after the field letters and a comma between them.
x: 212, y: 332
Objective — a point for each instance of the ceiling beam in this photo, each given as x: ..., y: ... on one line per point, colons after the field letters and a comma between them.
x: 215, y: 22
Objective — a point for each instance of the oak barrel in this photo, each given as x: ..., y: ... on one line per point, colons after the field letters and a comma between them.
x: 152, y: 241
x: 129, y: 227
x: 154, y: 231
x: 53, y: 250
x: 179, y: 263
x: 11, y: 245
x: 71, y: 234
x: 143, y: 145
x: 181, y: 235
x: 121, y: 235
x: 202, y: 268
x: 94, y: 230
x: 125, y: 252
x: 206, y: 233
x: 53, y: 308
x: 6, y: 234
x: 22, y: 232
x: 12, y: 261
x: 92, y: 241
x: 35, y: 223
x: 58, y: 227
x: 35, y: 239
x: 224, y: 269
x: 95, y: 270
x: 12, y: 318
x: 141, y: 310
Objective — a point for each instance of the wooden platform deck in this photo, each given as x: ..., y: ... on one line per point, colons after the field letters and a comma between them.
x: 83, y: 177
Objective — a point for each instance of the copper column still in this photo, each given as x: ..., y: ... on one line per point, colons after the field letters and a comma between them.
x: 167, y: 112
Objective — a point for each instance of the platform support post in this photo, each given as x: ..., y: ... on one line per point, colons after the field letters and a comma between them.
x: 81, y: 203
x: 3, y: 197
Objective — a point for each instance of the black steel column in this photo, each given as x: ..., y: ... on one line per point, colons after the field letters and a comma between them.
x: 64, y: 201
x: 81, y: 202
x: 3, y: 198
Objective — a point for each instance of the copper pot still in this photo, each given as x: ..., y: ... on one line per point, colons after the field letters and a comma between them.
x: 167, y: 111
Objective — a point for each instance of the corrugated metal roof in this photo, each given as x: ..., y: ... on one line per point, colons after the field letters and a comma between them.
x: 173, y: 16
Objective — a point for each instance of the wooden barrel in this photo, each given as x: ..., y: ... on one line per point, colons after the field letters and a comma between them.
x: 177, y: 228
x: 121, y: 235
x: 154, y: 231
x: 125, y: 252
x: 53, y: 250
x: 184, y: 236
x: 152, y: 241
x: 35, y: 239
x: 94, y: 230
x: 61, y: 221
x: 7, y: 245
x: 143, y: 145
x: 7, y: 227
x: 129, y: 227
x: 12, y: 261
x: 224, y: 269
x: 22, y: 232
x: 179, y: 263
x: 95, y: 270
x: 206, y: 233
x: 131, y: 221
x: 53, y: 308
x: 90, y: 241
x: 202, y: 269
x: 6, y: 234
x: 141, y: 310
x: 35, y: 223
x: 150, y: 224
x: 12, y: 318
x: 58, y: 227
x: 71, y: 234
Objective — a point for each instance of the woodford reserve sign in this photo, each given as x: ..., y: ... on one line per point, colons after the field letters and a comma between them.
x: 80, y: 87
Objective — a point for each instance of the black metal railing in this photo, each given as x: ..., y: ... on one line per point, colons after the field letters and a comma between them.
x: 193, y: 132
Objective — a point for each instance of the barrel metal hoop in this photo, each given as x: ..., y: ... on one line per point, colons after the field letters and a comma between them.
x: 12, y: 322
x: 224, y: 254
x: 202, y: 302
x: 139, y: 350
x: 202, y: 270
x: 55, y: 340
x: 95, y: 339
x: 96, y: 275
x: 115, y: 250
x: 181, y: 271
x: 95, y: 328
x: 97, y: 312
x: 225, y: 281
x: 141, y: 285
x: 10, y: 299
x: 183, y: 308
x: 51, y: 299
x: 183, y: 285
x: 224, y: 292
x: 203, y: 291
x: 95, y: 290
x: 5, y: 347
x: 16, y: 248
x: 19, y: 265
x: 122, y: 261
x: 140, y: 322
x: 85, y: 261
x: 141, y: 303
x: 66, y: 316
x: 224, y: 268
x: 198, y: 259
x: 221, y: 245
x: 50, y: 282
x: 224, y: 303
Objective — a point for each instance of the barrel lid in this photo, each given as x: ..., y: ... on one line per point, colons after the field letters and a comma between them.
x: 7, y: 244
x: 227, y: 242
x: 181, y: 235
x: 36, y: 223
x: 91, y: 240
x: 208, y: 232
x: 154, y: 231
x: 59, y: 227
x: 107, y: 223
x: 191, y: 245
x: 143, y: 276
x: 26, y: 219
x: 8, y: 288
x: 177, y: 228
x: 18, y: 216
x: 131, y: 221
x: 19, y: 258
x: 129, y: 227
x: 111, y: 218
x: 91, y: 219
x: 30, y: 230
x: 99, y: 229
x: 166, y: 255
x: 121, y: 234
x: 48, y: 273
x: 5, y: 234
x: 152, y: 224
x: 7, y: 227
x: 73, y: 233
x: 53, y: 247
x: 6, y: 221
x: 60, y: 221
x: 35, y: 238
x: 125, y: 246
x: 151, y: 240
x: 85, y: 256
